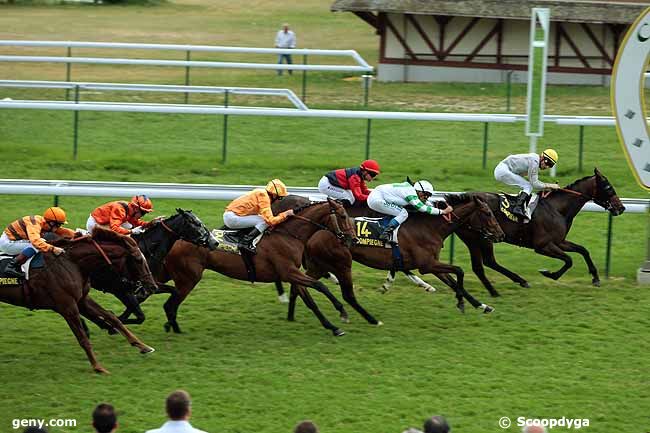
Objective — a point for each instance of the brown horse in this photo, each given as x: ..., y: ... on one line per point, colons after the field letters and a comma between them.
x: 63, y: 284
x: 420, y: 239
x: 547, y: 231
x: 279, y: 256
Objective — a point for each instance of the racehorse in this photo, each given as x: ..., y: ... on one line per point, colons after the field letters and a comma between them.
x: 546, y: 232
x: 420, y: 239
x: 279, y: 255
x: 155, y: 243
x: 63, y: 284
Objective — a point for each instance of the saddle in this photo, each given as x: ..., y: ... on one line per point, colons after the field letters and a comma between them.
x: 507, y: 202
x: 10, y: 278
x: 368, y: 231
x: 228, y: 240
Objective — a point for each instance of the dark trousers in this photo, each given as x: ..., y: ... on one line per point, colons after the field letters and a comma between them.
x: 287, y: 57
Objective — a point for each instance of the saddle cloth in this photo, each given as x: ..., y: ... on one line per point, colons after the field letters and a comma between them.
x: 36, y: 261
x: 507, y: 202
x: 228, y: 239
x: 369, y: 229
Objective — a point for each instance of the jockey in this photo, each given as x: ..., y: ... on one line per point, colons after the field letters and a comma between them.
x: 23, y: 236
x: 391, y: 198
x: 349, y: 183
x: 511, y: 170
x: 120, y: 216
x: 254, y: 210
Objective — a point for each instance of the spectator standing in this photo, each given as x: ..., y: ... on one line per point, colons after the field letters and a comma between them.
x: 306, y: 427
x: 435, y: 424
x: 34, y: 430
x: 533, y: 429
x: 179, y: 410
x: 285, y: 38
x: 104, y: 418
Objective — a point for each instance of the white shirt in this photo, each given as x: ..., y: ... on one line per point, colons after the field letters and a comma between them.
x: 176, y: 427
x: 403, y: 194
x: 526, y: 164
x: 285, y: 40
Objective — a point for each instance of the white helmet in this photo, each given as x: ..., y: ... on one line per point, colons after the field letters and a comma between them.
x: 423, y: 186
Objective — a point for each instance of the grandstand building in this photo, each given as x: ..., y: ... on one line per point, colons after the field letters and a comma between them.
x: 487, y: 40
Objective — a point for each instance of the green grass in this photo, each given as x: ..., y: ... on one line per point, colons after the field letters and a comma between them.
x: 557, y: 349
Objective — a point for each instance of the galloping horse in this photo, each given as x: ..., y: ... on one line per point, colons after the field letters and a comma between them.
x: 155, y: 243
x: 420, y: 240
x: 279, y: 255
x: 63, y: 284
x: 546, y: 232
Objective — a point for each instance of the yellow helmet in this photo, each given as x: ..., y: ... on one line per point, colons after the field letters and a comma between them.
x: 551, y: 155
x: 55, y: 215
x: 277, y: 187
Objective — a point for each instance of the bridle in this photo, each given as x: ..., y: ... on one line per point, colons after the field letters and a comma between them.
x: 466, y: 222
x: 340, y: 235
x: 607, y: 189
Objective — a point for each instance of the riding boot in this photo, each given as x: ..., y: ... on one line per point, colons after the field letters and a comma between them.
x: 246, y: 242
x: 13, y: 268
x: 520, y: 207
x: 387, y: 233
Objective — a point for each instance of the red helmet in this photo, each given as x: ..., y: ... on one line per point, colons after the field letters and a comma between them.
x: 143, y: 202
x: 371, y: 166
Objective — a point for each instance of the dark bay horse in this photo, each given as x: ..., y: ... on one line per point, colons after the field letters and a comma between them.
x: 547, y: 231
x: 63, y: 284
x: 420, y: 238
x: 278, y: 258
x: 155, y: 243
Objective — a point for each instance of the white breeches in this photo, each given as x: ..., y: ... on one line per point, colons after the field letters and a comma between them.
x: 503, y: 174
x: 91, y: 223
x: 14, y: 247
x: 376, y: 202
x: 335, y: 192
x: 236, y: 222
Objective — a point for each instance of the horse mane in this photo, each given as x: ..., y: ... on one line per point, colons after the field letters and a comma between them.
x: 104, y: 235
x: 572, y: 185
x: 305, y: 206
x: 456, y: 199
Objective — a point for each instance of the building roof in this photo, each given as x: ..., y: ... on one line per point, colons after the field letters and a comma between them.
x: 611, y: 11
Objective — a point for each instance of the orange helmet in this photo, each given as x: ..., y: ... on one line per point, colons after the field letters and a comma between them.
x: 277, y: 187
x: 371, y: 166
x: 143, y: 202
x: 55, y: 215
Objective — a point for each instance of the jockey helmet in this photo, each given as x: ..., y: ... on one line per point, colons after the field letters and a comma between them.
x: 551, y: 156
x: 55, y: 215
x: 277, y: 188
x: 143, y: 202
x: 423, y: 186
x: 371, y: 166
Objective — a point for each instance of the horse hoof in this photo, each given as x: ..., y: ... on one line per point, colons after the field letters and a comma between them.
x: 146, y: 349
x: 595, y: 282
x: 461, y: 307
x: 101, y: 370
x: 167, y: 327
x: 338, y: 332
x: 383, y: 289
x: 487, y: 309
x: 283, y: 299
x: 345, y: 318
x: 380, y: 323
x: 547, y: 274
x: 525, y: 284
x: 176, y: 329
x: 430, y: 289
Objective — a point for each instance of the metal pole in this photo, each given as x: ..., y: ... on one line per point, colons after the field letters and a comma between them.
x: 581, y: 147
x: 76, y: 124
x: 366, y: 87
x: 187, y: 76
x: 368, y: 139
x: 608, y: 251
x: 225, y: 130
x: 485, y: 144
x: 508, y: 90
x: 643, y: 274
x: 56, y: 200
x: 304, y: 81
x: 67, y: 75
x: 451, y: 250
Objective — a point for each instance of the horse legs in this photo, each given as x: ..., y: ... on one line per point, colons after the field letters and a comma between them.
x: 487, y: 252
x: 388, y: 282
x: 132, y: 306
x: 479, y: 271
x: 552, y: 250
x: 390, y: 277
x: 71, y: 316
x: 95, y: 312
x: 291, y: 312
x: 282, y: 296
x: 329, y: 295
x: 438, y: 268
x: 575, y: 248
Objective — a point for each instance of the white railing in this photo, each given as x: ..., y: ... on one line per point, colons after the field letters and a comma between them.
x: 194, y: 191
x: 71, y: 85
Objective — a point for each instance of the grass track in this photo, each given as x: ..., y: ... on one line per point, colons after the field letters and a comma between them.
x: 558, y: 349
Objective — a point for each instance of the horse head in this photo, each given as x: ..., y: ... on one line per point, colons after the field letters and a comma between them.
x: 476, y: 215
x: 190, y: 228
x: 605, y: 196
x: 341, y: 223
